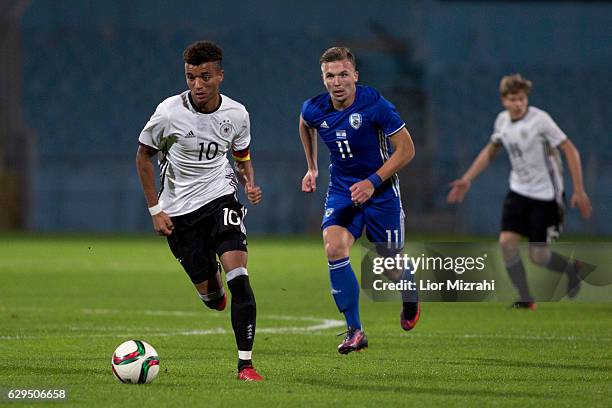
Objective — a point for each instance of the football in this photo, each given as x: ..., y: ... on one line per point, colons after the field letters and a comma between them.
x: 135, y: 362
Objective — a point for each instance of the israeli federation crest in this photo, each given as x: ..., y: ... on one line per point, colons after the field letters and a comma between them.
x: 355, y: 120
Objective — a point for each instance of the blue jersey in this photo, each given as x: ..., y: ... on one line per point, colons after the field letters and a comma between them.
x: 357, y: 138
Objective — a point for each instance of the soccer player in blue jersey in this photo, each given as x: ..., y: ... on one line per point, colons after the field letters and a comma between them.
x: 368, y: 144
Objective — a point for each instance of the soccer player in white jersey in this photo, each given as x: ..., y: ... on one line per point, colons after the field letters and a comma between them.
x: 534, y: 206
x: 197, y: 208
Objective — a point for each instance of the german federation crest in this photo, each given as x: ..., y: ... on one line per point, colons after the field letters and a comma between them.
x: 355, y: 120
x: 225, y: 128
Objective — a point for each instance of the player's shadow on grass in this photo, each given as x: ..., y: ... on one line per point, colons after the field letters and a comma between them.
x: 479, y: 361
x: 437, y: 391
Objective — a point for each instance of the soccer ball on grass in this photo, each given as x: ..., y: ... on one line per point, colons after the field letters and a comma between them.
x: 135, y: 362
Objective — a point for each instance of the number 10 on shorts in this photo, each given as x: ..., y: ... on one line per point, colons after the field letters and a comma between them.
x: 230, y: 217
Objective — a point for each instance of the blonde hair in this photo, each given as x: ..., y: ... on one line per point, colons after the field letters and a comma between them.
x: 514, y: 83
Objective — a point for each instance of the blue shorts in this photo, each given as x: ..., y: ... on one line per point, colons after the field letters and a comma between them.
x: 383, y: 220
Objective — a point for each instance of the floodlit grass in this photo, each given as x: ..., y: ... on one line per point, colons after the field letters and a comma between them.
x: 67, y: 302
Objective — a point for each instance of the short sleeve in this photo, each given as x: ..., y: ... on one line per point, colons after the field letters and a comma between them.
x: 155, y: 129
x: 388, y: 118
x: 243, y: 136
x: 496, y: 136
x: 307, y: 112
x: 550, y: 131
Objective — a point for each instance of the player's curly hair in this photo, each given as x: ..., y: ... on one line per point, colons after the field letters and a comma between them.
x: 338, y: 54
x: 511, y: 84
x: 202, y: 52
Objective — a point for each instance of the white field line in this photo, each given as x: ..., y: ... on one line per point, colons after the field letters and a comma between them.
x: 323, y: 325
x: 180, y: 313
x: 17, y: 337
x: 531, y: 337
x: 506, y: 337
x: 109, y: 311
x: 314, y: 330
x: 319, y: 324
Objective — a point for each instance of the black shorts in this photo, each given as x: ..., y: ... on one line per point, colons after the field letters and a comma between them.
x: 211, y: 230
x: 540, y: 221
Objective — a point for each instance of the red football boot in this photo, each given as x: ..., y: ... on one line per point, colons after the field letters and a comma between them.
x: 355, y: 340
x: 249, y: 374
x: 524, y: 305
x: 409, y: 324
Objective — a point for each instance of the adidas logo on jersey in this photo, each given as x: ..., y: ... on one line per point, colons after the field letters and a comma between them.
x: 324, y: 125
x: 189, y: 135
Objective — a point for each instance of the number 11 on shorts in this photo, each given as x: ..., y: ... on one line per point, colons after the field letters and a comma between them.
x: 392, y: 234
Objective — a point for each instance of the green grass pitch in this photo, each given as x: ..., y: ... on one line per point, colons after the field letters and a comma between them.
x: 67, y: 302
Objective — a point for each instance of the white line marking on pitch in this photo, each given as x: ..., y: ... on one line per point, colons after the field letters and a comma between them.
x: 506, y: 337
x: 181, y: 313
x: 320, y: 324
x: 323, y: 325
x: 16, y: 337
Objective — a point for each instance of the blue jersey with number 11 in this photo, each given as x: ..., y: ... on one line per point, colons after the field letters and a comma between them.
x: 357, y: 138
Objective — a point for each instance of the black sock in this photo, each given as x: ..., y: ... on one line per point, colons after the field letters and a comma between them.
x: 560, y: 263
x: 244, y: 364
x: 410, y: 298
x: 215, y: 293
x: 410, y: 310
x: 243, y: 312
x: 516, y: 271
x: 213, y: 300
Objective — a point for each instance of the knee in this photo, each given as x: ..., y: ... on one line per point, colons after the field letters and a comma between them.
x: 336, y: 250
x: 509, y: 249
x: 539, y: 255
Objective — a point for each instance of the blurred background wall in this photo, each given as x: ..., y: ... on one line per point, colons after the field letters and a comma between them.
x: 81, y: 78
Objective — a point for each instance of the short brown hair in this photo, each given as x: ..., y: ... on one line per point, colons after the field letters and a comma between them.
x: 338, y: 54
x: 514, y: 83
x: 202, y: 52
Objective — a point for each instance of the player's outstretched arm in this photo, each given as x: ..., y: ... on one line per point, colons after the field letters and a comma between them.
x: 308, y: 136
x: 579, y: 196
x: 460, y: 187
x: 403, y: 153
x: 247, y: 178
x: 161, y: 222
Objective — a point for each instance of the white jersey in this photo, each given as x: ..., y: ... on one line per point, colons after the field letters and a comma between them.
x: 193, y: 147
x: 531, y: 143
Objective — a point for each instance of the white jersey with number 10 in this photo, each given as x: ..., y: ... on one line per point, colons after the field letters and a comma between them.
x: 193, y: 146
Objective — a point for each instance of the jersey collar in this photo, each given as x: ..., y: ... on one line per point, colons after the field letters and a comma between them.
x: 196, y: 109
x: 522, y: 117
